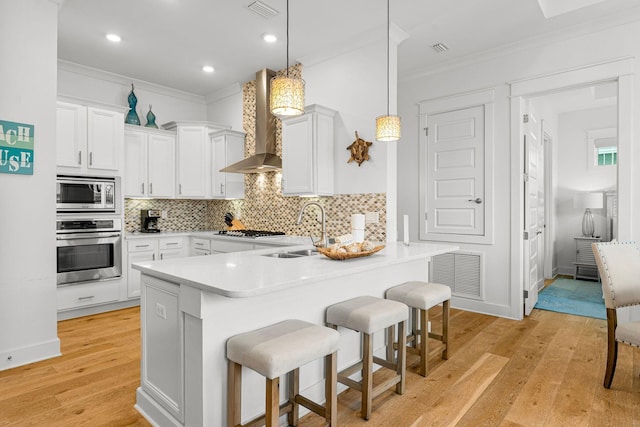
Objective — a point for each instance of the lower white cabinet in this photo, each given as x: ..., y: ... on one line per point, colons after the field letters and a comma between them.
x: 150, y: 249
x: 86, y: 294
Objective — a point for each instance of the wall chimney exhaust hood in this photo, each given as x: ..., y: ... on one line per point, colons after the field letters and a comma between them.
x: 265, y: 159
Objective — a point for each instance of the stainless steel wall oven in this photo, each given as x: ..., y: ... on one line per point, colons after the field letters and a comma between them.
x: 88, y: 250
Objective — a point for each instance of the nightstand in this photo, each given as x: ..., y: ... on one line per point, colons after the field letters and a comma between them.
x: 585, y: 265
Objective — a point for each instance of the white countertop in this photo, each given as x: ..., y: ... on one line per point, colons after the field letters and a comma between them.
x: 245, y: 274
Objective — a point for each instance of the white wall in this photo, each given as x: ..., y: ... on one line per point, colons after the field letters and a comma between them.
x: 112, y: 89
x: 225, y: 107
x: 354, y: 84
x: 574, y: 177
x: 27, y: 214
x: 496, y: 72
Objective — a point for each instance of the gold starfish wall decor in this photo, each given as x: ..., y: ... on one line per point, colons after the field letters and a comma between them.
x: 359, y: 150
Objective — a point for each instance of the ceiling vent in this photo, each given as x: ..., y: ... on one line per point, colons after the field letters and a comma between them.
x: 263, y: 9
x: 440, y: 47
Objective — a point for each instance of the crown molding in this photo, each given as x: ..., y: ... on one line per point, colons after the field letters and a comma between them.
x: 225, y: 92
x: 110, y: 77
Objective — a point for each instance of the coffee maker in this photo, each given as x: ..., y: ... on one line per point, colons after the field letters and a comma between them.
x: 149, y: 220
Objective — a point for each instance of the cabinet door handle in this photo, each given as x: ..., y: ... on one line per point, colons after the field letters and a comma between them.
x: 86, y: 298
x: 91, y: 158
x: 143, y: 188
x: 79, y: 157
x: 153, y: 257
x: 221, y: 188
x: 161, y: 256
x: 179, y: 188
x: 151, y: 188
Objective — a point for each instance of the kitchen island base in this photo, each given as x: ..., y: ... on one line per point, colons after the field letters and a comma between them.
x: 184, y: 329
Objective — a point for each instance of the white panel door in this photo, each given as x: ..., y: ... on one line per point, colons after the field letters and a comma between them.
x: 161, y: 165
x: 105, y: 138
x: 532, y: 176
x: 135, y: 164
x: 455, y: 172
x: 71, y: 135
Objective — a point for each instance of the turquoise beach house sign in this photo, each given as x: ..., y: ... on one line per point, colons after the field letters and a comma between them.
x: 16, y: 148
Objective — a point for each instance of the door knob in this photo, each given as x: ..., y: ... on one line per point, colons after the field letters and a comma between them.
x: 477, y: 200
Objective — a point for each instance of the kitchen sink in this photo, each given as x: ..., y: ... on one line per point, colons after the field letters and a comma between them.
x: 304, y: 252
x: 293, y: 254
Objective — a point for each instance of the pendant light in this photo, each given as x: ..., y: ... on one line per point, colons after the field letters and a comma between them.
x: 388, y: 127
x: 287, y: 93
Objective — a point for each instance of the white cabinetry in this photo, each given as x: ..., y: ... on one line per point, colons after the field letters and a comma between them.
x: 193, y: 172
x: 150, y: 249
x: 307, y: 153
x: 200, y: 246
x: 227, y: 148
x: 87, y: 294
x: 149, y: 164
x: 88, y: 140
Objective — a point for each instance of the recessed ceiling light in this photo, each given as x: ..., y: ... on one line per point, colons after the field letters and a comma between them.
x: 113, y: 37
x: 208, y: 69
x: 269, y: 38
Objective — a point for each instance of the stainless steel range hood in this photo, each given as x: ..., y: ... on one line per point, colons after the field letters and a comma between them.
x: 265, y: 159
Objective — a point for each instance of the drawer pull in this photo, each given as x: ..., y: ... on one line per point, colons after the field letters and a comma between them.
x: 142, y: 246
x: 171, y: 243
x: 86, y: 298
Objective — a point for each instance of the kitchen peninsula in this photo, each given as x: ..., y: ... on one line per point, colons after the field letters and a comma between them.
x: 190, y: 306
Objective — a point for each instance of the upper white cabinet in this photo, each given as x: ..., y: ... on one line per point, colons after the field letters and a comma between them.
x: 89, y: 140
x: 307, y: 153
x: 192, y: 154
x: 149, y: 164
x: 227, y: 147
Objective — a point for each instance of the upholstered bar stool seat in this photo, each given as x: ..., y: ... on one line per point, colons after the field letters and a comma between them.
x: 274, y: 351
x: 421, y: 296
x: 367, y: 314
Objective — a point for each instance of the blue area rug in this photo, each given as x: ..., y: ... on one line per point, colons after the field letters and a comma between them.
x: 579, y: 297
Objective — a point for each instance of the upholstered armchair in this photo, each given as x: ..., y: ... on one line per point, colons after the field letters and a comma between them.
x: 619, y: 267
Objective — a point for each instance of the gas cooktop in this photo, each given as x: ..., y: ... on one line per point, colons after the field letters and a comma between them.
x: 250, y: 233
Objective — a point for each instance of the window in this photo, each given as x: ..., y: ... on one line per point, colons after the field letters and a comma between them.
x: 602, y: 148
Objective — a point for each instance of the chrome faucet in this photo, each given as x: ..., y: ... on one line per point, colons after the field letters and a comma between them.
x: 324, y: 241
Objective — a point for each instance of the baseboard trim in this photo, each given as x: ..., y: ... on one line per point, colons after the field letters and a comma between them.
x: 29, y: 354
x: 87, y: 311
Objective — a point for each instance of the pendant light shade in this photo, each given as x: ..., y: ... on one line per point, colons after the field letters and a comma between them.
x: 287, y: 96
x: 388, y: 127
x: 287, y: 93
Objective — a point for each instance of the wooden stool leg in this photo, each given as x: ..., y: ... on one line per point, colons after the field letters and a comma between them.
x: 294, y: 389
x: 391, y: 340
x: 424, y: 341
x: 414, y: 327
x: 273, y: 403
x: 331, y: 389
x: 234, y: 392
x: 445, y: 328
x: 401, y: 366
x: 367, y: 375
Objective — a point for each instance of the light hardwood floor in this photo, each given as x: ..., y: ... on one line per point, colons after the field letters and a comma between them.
x: 544, y: 371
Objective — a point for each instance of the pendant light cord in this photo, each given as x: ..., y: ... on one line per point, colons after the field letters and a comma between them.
x: 288, y: 38
x: 388, y: 54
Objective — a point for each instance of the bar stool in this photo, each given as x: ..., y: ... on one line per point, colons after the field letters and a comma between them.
x: 276, y: 350
x: 367, y: 315
x: 420, y: 297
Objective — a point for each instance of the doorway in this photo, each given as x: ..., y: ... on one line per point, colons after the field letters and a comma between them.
x: 616, y: 73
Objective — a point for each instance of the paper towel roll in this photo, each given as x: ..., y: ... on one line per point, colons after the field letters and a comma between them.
x: 357, y: 222
x: 406, y: 230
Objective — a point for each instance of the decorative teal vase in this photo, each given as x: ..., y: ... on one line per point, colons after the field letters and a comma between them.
x: 132, y: 117
x: 151, y: 119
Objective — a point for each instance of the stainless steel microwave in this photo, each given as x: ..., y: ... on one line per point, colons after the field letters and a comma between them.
x: 85, y: 194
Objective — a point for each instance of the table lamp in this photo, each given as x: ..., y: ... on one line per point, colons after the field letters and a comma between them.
x: 587, y: 201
